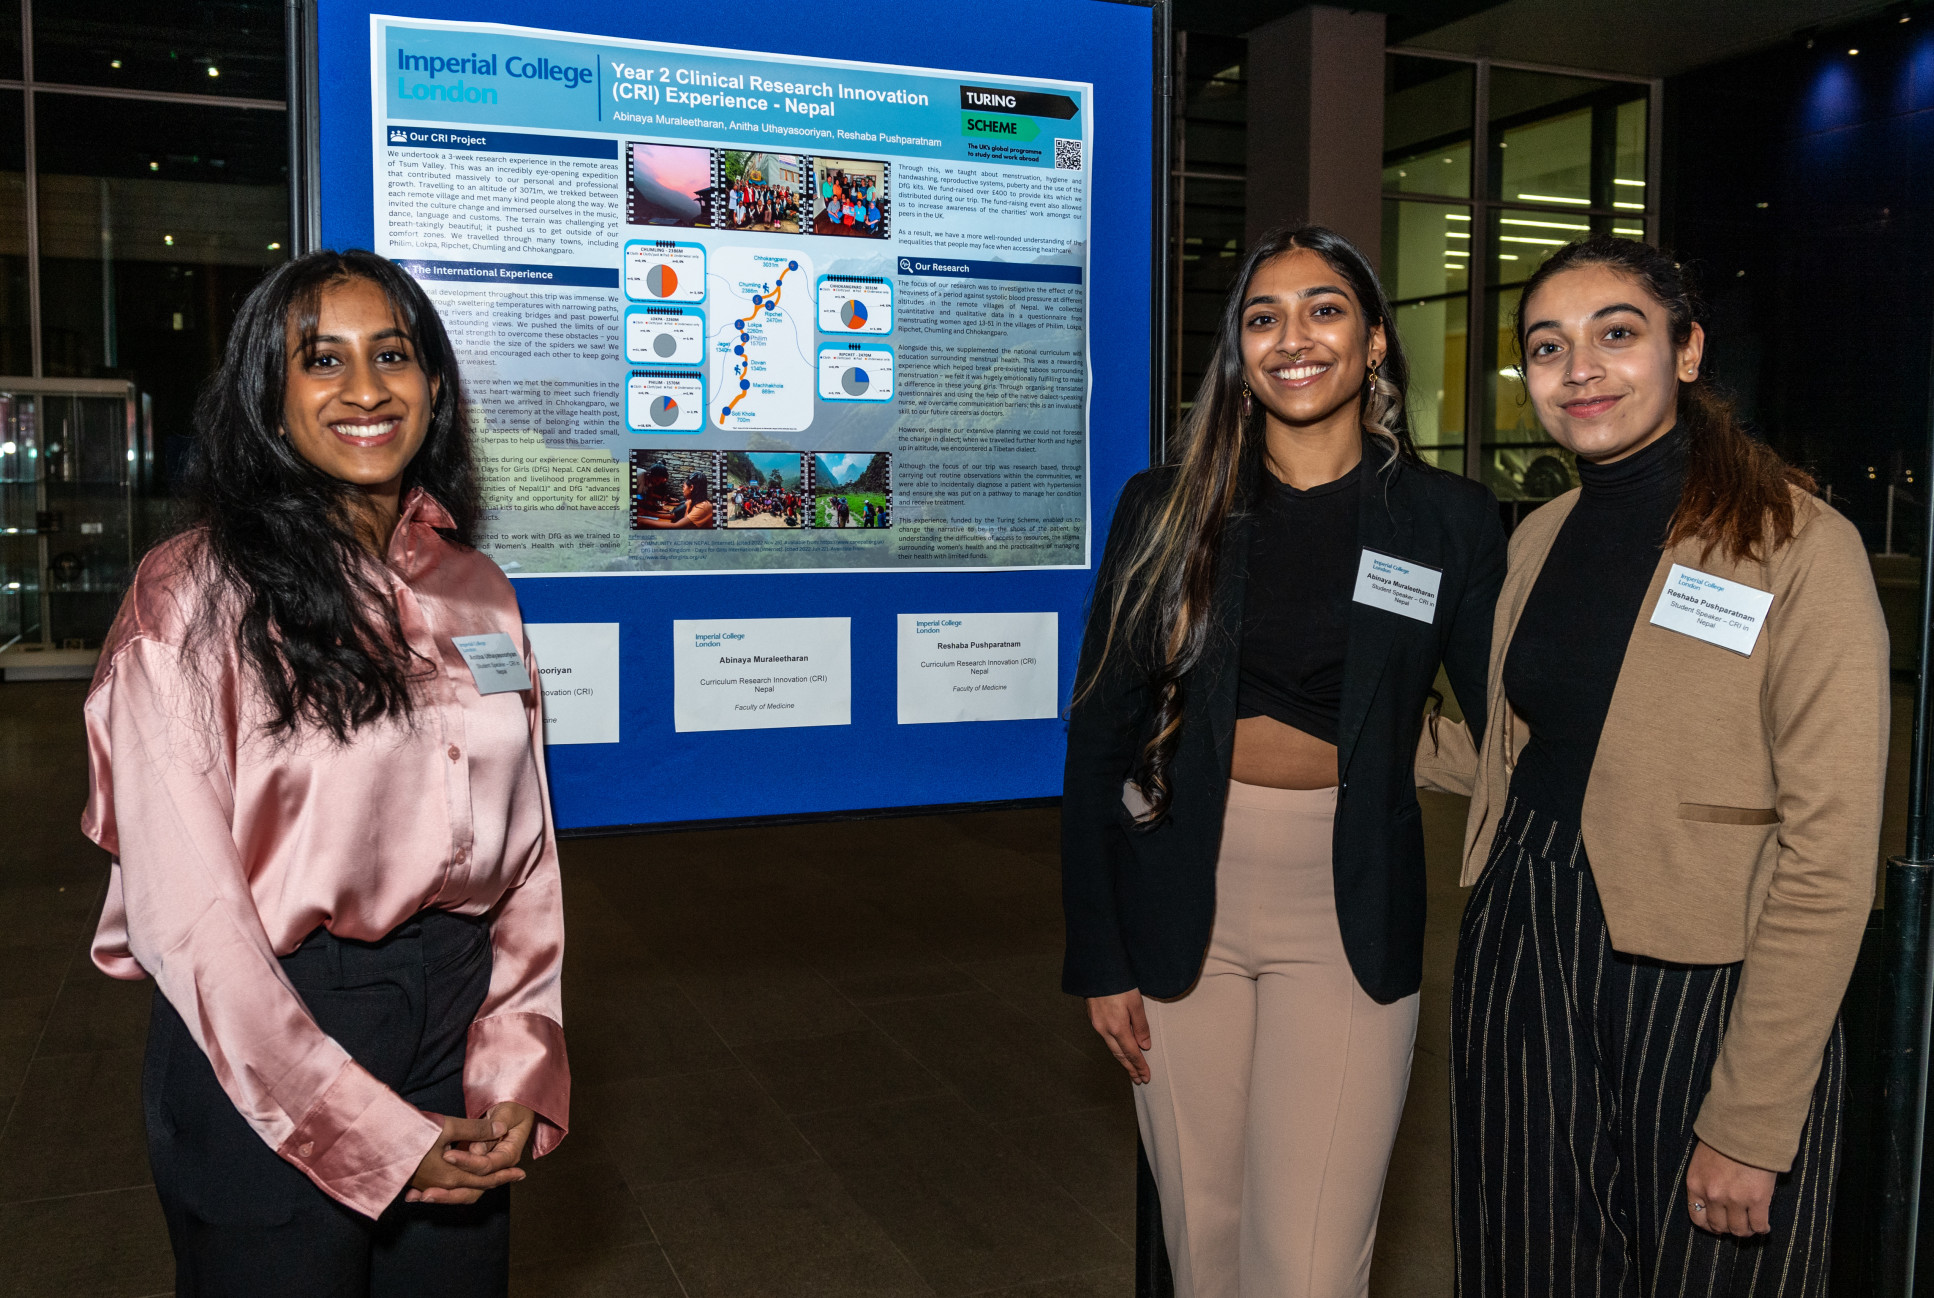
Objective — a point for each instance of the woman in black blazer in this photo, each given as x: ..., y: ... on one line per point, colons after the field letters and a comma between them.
x: 1242, y: 858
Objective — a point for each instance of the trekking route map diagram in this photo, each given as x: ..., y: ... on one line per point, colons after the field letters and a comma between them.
x: 763, y: 369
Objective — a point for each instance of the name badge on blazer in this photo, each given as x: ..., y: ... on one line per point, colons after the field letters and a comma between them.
x: 1398, y: 585
x: 494, y: 662
x: 1726, y: 613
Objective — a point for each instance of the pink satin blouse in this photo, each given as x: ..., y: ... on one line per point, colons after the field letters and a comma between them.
x: 231, y: 848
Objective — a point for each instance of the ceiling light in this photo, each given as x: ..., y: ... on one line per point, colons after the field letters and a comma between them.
x: 1457, y: 234
x: 1542, y: 225
x: 8, y: 448
x: 1553, y: 198
x: 1635, y: 184
x: 275, y: 247
x: 115, y: 63
x: 1635, y: 207
x: 1525, y: 238
x: 1507, y: 256
x: 1457, y: 216
x: 214, y: 71
x: 168, y: 239
x: 1853, y: 51
x: 1759, y: 205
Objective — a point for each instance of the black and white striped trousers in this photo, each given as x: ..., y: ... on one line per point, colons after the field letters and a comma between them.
x: 1576, y: 1074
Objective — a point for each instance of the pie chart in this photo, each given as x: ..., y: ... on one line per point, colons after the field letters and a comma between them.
x: 662, y: 280
x: 854, y: 380
x: 664, y: 344
x: 852, y: 313
x: 664, y: 411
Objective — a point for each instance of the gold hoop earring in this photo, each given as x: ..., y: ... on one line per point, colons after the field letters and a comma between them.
x: 1245, y: 399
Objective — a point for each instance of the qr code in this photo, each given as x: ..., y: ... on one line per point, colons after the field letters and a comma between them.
x: 1067, y: 155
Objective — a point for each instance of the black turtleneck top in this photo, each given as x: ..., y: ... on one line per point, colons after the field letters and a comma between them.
x: 1564, y: 660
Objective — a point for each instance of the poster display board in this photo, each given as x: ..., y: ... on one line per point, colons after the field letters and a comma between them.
x: 778, y: 332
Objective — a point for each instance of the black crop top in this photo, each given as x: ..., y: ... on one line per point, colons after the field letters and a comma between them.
x: 1296, y: 603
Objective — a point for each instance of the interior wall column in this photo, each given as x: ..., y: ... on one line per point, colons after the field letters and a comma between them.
x: 1315, y: 88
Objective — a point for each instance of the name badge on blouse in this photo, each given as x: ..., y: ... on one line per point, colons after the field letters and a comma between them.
x: 494, y: 662
x: 1398, y: 585
x: 1726, y: 613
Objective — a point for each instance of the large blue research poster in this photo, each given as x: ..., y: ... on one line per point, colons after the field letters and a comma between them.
x: 807, y: 350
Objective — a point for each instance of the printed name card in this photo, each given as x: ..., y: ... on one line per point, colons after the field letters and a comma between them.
x: 494, y: 662
x: 1726, y: 613
x: 1397, y: 585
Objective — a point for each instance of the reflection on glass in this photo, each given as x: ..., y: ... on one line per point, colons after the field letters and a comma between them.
x: 204, y: 47
x: 1548, y: 161
x: 154, y: 226
x: 1425, y: 269
x: 1427, y: 126
x: 1523, y: 238
x: 1426, y: 249
x: 1628, y: 167
x: 1435, y: 338
x: 16, y: 338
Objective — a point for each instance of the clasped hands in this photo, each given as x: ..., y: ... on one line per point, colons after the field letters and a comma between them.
x: 473, y: 1155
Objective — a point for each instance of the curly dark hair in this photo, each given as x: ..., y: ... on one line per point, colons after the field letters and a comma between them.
x: 317, y: 628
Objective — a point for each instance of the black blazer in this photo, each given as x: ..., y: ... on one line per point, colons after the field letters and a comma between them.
x: 1139, y: 903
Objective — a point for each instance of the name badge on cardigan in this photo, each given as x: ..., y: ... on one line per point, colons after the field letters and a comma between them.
x: 1726, y: 613
x: 494, y: 662
x: 1398, y: 585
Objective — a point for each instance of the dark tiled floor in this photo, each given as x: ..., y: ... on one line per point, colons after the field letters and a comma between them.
x: 822, y: 1060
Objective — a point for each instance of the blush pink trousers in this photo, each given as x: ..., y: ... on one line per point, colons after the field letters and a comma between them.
x: 1276, y: 1082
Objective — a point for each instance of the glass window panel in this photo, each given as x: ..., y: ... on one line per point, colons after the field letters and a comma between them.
x: 1628, y: 166
x: 1426, y: 249
x: 1519, y: 461
x: 208, y: 47
x: 1548, y: 161
x: 154, y: 225
x: 1427, y: 126
x: 9, y: 41
x: 1435, y: 336
x: 1523, y: 237
x: 16, y: 337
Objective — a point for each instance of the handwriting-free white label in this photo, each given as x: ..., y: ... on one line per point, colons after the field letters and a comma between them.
x: 762, y: 673
x: 494, y: 661
x: 1397, y: 585
x: 1726, y: 613
x: 978, y: 666
x: 577, y: 668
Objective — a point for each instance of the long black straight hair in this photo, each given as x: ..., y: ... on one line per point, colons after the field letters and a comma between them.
x: 1159, y: 602
x: 278, y: 541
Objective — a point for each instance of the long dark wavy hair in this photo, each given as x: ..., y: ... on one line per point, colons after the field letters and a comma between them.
x: 278, y: 540
x: 1157, y: 605
x: 1739, y: 494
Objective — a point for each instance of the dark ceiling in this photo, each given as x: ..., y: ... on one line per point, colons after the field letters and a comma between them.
x: 1407, y: 18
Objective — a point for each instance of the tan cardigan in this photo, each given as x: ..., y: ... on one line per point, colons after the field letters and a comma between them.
x: 1733, y: 811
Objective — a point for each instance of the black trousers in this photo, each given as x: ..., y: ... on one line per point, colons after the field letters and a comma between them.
x: 244, y: 1222
x: 1576, y: 1074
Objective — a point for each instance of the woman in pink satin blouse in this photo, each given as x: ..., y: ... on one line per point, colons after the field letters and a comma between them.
x: 332, y: 842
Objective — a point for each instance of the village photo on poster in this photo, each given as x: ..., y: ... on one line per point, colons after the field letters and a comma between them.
x: 672, y: 490
x: 850, y: 198
x: 763, y: 489
x: 759, y: 191
x: 852, y: 490
x: 669, y: 185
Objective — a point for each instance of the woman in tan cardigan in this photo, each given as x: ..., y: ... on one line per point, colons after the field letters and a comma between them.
x: 1676, y: 814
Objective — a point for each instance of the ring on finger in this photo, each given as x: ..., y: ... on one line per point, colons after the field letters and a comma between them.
x: 1697, y: 1206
